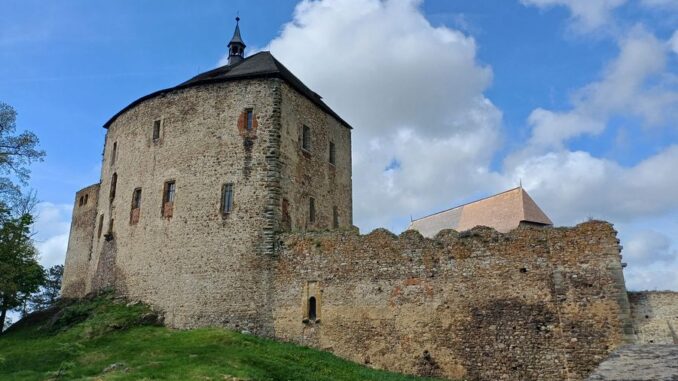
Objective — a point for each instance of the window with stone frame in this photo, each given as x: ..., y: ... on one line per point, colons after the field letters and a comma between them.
x: 136, y: 206
x: 333, y: 154
x: 157, y: 124
x: 249, y: 119
x: 114, y: 184
x: 114, y: 153
x: 227, y: 199
x: 306, y: 138
x: 335, y: 217
x: 101, y: 226
x: 169, y: 193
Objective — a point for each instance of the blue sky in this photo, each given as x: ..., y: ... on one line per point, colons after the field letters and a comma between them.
x: 467, y: 97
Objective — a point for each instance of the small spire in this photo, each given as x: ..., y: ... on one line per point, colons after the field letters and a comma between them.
x: 236, y: 47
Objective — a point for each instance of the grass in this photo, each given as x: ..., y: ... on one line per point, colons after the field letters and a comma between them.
x: 105, y: 339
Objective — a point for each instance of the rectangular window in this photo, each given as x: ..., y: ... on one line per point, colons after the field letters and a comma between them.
x: 101, y: 225
x: 311, y: 209
x: 306, y: 139
x: 114, y: 184
x: 335, y: 217
x: 227, y: 198
x: 332, y: 154
x: 250, y: 117
x: 156, y: 130
x: 114, y: 153
x: 168, y: 199
x: 136, y: 205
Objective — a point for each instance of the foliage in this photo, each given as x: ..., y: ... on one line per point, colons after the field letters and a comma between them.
x: 50, y: 291
x: 20, y: 272
x: 107, y: 339
x: 17, y: 151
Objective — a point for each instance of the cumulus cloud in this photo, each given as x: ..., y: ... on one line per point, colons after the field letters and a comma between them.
x: 51, y: 229
x: 413, y: 92
x: 586, y: 14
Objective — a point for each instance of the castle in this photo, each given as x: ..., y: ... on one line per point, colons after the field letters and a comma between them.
x: 227, y: 201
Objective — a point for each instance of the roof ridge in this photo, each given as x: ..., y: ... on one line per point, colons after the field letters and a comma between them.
x: 468, y: 203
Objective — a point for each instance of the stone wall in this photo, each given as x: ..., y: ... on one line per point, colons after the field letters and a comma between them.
x: 307, y: 174
x: 532, y: 304
x: 80, y: 242
x: 655, y: 316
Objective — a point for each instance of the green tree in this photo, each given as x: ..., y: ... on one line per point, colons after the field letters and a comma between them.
x: 49, y: 292
x: 17, y: 151
x: 20, y: 273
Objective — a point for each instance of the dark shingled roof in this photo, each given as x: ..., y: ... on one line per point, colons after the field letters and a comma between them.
x: 236, y: 36
x: 260, y: 65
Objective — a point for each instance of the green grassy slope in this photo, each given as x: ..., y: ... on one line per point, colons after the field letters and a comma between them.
x: 104, y: 339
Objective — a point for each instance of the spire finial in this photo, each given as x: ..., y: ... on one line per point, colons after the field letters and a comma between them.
x: 521, y: 183
x: 236, y: 47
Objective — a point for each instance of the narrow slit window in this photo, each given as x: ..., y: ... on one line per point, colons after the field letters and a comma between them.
x: 114, y: 183
x: 82, y: 200
x: 168, y: 199
x: 86, y: 197
x: 306, y: 139
x: 156, y: 129
x: 250, y: 119
x: 335, y: 217
x: 101, y: 226
x: 332, y: 154
x: 114, y: 153
x: 136, y: 205
x: 312, y: 314
x: 227, y: 198
x: 311, y: 209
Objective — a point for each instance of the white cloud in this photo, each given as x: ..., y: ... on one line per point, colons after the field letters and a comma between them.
x: 649, y: 246
x: 586, y: 14
x: 673, y: 42
x: 634, y: 85
x: 413, y: 92
x: 51, y: 228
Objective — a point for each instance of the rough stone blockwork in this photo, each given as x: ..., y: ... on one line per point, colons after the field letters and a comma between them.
x: 640, y: 363
x: 655, y: 316
x: 532, y: 304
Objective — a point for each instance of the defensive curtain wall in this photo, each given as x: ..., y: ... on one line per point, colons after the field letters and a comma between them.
x: 532, y: 304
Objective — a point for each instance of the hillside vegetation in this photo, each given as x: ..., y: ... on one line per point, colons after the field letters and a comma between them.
x: 107, y: 339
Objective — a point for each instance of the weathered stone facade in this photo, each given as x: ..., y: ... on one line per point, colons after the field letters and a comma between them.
x: 655, y: 316
x: 284, y: 260
x: 533, y: 304
x: 201, y: 266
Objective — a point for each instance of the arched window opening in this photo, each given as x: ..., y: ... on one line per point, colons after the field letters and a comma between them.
x: 311, y: 309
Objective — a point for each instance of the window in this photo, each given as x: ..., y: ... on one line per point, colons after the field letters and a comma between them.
x: 168, y: 199
x: 136, y: 205
x: 101, y: 225
x: 156, y: 130
x: 311, y: 209
x: 227, y: 199
x: 114, y: 153
x: 306, y: 139
x: 312, y: 309
x: 86, y: 197
x: 332, y: 154
x: 114, y: 183
x: 82, y: 201
x: 249, y: 119
x: 335, y: 217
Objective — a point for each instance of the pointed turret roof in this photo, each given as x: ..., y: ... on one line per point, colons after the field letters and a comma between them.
x: 237, y: 39
x: 503, y: 212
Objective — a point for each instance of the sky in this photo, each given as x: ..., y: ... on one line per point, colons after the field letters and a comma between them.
x: 450, y: 100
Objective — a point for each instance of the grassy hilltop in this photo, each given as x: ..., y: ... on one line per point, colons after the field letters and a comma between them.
x: 105, y: 339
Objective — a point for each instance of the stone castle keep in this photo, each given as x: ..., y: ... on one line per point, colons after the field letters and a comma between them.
x: 227, y: 201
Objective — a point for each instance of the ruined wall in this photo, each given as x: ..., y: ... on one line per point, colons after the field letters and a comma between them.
x: 80, y: 242
x: 199, y: 266
x: 309, y: 173
x: 532, y: 304
x: 655, y: 316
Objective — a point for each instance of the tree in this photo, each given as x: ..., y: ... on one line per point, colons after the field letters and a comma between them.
x: 49, y: 293
x: 17, y: 151
x: 20, y: 273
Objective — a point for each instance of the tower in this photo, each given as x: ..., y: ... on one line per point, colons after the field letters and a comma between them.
x: 236, y: 47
